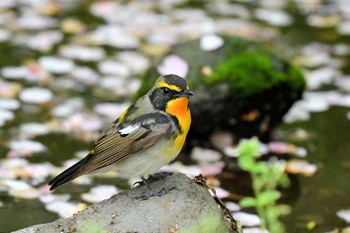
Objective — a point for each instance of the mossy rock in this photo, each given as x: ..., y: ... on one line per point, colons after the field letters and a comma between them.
x: 240, y: 87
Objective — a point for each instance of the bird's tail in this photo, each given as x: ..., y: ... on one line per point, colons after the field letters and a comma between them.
x: 69, y: 174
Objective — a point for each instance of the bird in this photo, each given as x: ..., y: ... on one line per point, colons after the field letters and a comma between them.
x: 148, y: 135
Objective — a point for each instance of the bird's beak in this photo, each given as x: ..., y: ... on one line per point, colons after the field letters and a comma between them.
x: 185, y: 93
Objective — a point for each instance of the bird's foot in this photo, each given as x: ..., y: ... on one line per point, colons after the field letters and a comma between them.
x: 151, y: 192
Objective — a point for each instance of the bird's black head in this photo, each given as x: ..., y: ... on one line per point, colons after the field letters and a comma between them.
x: 166, y: 88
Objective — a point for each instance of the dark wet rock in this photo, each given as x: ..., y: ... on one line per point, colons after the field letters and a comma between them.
x: 186, y: 207
x: 240, y: 87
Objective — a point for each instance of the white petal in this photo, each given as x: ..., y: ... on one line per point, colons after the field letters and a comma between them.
x: 211, y: 42
x: 35, y: 95
x: 173, y: 64
x: 56, y: 65
x: 11, y: 104
x: 344, y: 214
x: 247, y: 219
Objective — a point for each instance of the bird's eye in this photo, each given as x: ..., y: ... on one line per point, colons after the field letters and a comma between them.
x: 166, y: 90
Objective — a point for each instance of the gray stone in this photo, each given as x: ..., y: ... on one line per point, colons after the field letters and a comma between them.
x: 187, y: 207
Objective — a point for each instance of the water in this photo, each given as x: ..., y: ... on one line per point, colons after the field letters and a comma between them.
x: 319, y: 197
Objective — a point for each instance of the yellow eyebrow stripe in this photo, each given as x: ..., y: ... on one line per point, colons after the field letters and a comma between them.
x: 171, y: 87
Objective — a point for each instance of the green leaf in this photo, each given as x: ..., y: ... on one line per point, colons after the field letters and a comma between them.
x: 248, y: 202
x: 248, y: 148
x: 260, y: 167
x: 284, y: 181
x: 246, y: 163
x: 268, y: 197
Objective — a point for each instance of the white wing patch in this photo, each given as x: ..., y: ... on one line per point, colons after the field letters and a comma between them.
x: 129, y: 129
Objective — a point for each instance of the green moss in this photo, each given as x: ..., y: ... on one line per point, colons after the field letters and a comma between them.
x: 254, y: 71
x: 207, y: 223
x: 90, y: 226
x: 296, y: 79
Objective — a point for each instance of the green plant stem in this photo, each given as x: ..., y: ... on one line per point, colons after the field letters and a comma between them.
x: 259, y: 208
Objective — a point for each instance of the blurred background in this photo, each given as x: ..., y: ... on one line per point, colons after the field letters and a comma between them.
x: 69, y: 68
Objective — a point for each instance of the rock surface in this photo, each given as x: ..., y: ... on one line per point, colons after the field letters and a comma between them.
x: 186, y: 207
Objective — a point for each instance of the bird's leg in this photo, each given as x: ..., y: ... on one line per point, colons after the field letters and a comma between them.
x: 151, y: 192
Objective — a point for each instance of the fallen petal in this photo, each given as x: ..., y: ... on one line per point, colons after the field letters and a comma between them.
x: 344, y: 214
x: 173, y: 64
x: 56, y: 65
x: 301, y: 167
x: 210, y: 42
x: 99, y: 193
x: 205, y: 155
x: 35, y: 95
x: 248, y: 220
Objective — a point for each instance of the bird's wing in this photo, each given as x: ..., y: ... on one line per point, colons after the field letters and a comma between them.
x: 119, y: 142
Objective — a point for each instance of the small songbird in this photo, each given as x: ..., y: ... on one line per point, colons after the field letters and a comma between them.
x: 147, y: 135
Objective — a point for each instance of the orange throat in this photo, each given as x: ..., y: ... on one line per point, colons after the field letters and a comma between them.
x: 179, y: 108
